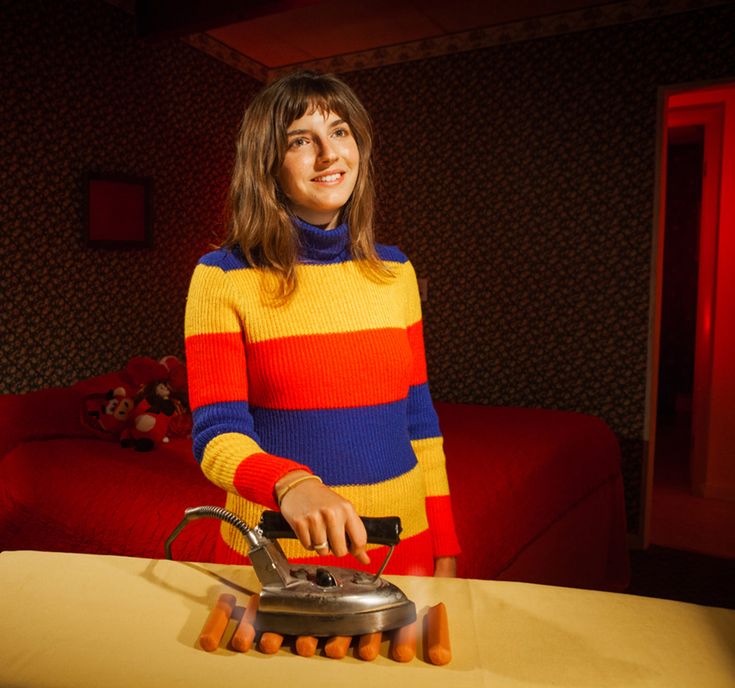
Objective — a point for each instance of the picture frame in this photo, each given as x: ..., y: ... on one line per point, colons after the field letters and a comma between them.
x: 118, y: 211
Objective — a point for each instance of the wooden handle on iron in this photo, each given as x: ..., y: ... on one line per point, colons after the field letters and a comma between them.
x: 385, y: 530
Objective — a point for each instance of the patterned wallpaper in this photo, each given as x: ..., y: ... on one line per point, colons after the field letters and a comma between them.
x: 519, y: 179
x: 80, y: 92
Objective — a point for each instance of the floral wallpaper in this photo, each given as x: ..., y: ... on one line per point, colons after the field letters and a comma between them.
x: 520, y: 181
x: 519, y: 178
x: 80, y: 92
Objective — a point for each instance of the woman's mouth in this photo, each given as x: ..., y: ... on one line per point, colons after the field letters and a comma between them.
x: 329, y: 178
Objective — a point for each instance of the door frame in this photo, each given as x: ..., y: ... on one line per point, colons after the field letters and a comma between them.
x: 710, y: 116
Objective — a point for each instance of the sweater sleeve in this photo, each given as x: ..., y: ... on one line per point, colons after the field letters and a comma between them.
x: 425, y: 434
x: 224, y: 439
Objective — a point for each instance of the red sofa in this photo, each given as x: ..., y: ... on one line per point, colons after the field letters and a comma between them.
x: 537, y: 494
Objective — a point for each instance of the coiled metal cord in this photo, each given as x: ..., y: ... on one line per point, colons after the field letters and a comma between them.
x: 197, y: 512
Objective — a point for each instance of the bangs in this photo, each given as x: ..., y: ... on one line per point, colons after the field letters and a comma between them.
x: 307, y: 95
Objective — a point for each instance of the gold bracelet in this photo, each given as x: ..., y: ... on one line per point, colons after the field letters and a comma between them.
x: 294, y: 483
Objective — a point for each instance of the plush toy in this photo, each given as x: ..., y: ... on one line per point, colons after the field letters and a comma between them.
x: 150, y: 418
x: 181, y: 421
x: 106, y: 415
x: 140, y: 371
x: 148, y: 407
x: 176, y: 373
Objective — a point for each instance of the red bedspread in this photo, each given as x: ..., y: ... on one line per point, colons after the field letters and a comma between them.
x: 537, y: 494
x: 91, y: 496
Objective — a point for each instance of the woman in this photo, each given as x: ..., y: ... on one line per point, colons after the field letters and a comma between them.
x: 307, y: 375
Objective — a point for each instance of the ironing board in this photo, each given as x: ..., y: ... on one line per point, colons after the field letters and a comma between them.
x: 91, y: 620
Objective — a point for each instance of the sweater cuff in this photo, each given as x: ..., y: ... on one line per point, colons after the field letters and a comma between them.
x: 256, y: 477
x: 441, y: 525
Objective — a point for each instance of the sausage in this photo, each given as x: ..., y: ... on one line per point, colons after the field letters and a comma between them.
x: 337, y: 646
x: 243, y: 638
x: 270, y: 643
x: 216, y: 623
x: 439, y: 650
x: 306, y: 645
x: 369, y: 646
x: 403, y: 647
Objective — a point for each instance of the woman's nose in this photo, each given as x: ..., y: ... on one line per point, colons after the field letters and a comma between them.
x: 327, y: 153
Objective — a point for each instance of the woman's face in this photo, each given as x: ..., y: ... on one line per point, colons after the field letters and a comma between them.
x: 320, y: 168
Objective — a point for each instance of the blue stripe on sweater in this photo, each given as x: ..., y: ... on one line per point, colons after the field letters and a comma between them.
x: 352, y: 446
x: 217, y: 419
x: 422, y: 419
x: 228, y: 260
x: 224, y: 259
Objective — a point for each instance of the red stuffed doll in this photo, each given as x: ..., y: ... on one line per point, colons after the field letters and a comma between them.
x: 150, y: 419
x: 106, y: 415
x: 181, y: 422
x: 146, y: 407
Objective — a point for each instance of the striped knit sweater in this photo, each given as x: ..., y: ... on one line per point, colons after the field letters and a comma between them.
x: 334, y: 382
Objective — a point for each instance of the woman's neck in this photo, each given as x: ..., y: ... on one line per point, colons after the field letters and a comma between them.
x: 322, y: 220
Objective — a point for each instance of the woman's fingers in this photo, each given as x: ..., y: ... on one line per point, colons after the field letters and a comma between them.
x: 335, y: 521
x: 311, y: 531
x: 358, y: 537
x: 301, y: 528
x: 324, y: 521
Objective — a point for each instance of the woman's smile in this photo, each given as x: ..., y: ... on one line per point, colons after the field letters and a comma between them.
x: 320, y: 168
x: 331, y: 179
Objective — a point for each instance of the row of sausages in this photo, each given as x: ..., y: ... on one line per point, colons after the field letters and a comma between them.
x: 402, y: 647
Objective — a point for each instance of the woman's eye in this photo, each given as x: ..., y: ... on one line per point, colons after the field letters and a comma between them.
x: 341, y: 132
x: 297, y: 143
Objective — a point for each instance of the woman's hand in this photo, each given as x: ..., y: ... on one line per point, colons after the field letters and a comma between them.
x: 445, y: 567
x: 321, y: 519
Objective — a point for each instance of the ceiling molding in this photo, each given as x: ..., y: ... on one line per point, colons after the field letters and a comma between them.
x: 224, y: 53
x: 614, y: 13
x: 513, y: 32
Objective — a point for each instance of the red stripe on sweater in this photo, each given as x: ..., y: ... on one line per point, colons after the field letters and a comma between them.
x: 256, y: 476
x: 223, y: 353
x: 416, y: 341
x: 441, y: 522
x: 338, y: 370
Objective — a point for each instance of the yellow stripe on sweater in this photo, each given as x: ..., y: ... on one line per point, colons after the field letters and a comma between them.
x: 382, y: 499
x: 324, y: 301
x: 211, y: 307
x: 430, y: 455
x: 223, y: 454
x: 413, y: 308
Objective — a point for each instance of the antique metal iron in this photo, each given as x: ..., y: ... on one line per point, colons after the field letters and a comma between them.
x: 307, y: 599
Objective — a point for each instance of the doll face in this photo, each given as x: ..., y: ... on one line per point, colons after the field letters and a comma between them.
x: 162, y: 390
x: 320, y: 169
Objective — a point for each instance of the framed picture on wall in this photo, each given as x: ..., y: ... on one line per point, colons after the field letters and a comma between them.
x: 118, y: 211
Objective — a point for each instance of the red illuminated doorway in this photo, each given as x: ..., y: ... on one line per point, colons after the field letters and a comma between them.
x: 698, y: 124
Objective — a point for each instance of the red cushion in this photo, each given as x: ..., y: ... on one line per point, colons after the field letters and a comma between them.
x: 514, y: 472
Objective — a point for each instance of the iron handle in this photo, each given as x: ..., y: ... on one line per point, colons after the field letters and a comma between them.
x: 385, y: 530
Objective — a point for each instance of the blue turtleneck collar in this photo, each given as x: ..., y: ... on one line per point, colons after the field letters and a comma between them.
x: 319, y: 245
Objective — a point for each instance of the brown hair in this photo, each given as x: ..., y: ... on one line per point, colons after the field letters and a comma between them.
x: 260, y: 222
